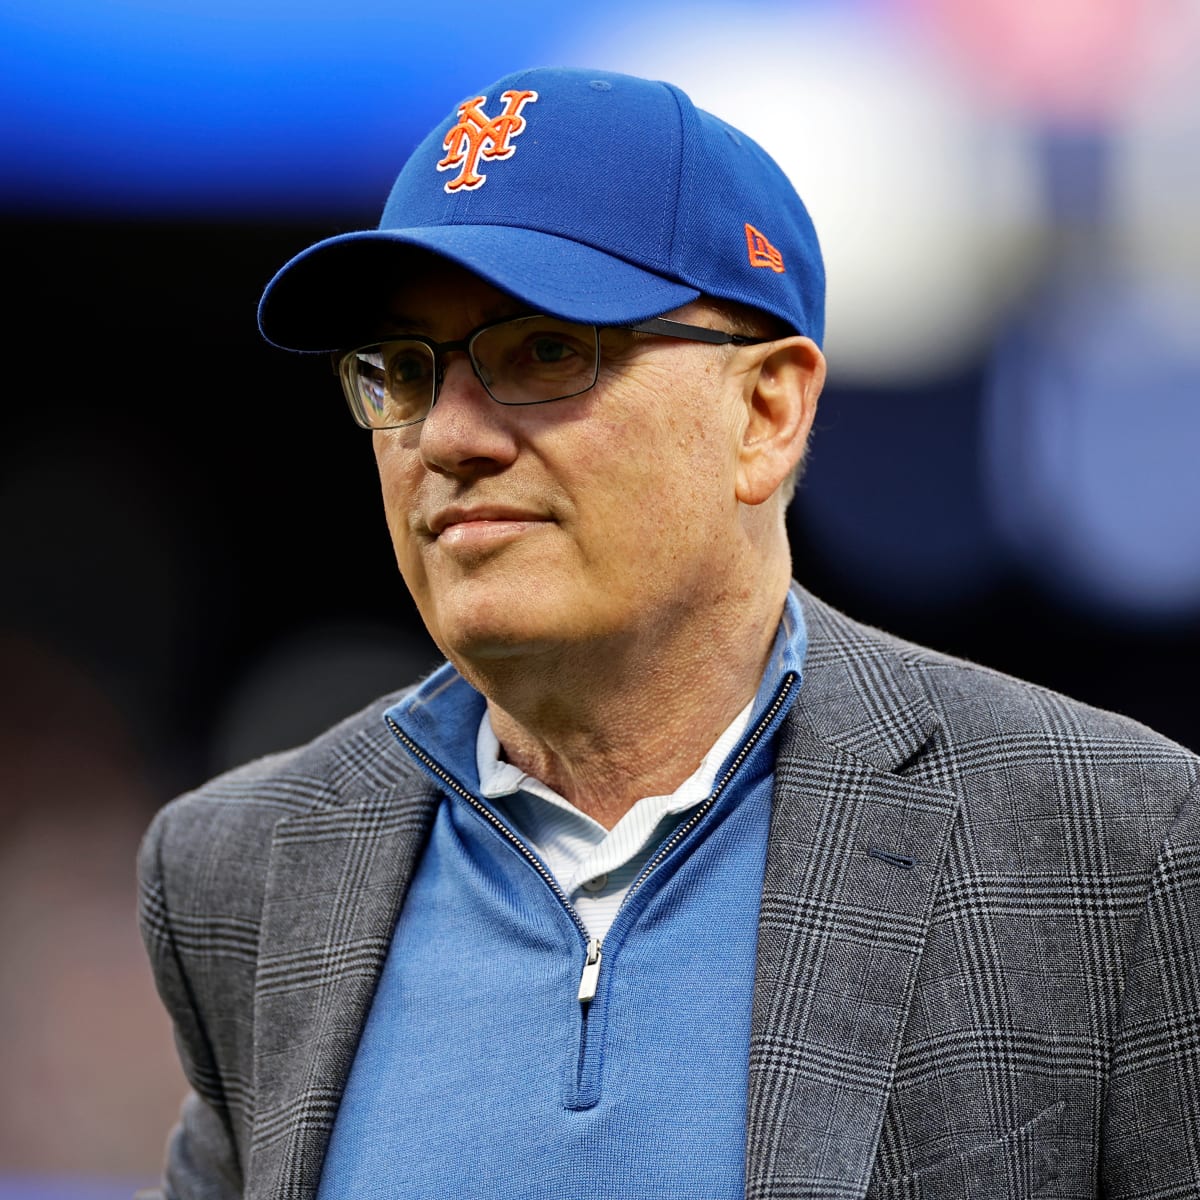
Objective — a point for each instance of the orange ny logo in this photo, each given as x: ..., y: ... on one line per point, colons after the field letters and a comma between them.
x: 478, y: 136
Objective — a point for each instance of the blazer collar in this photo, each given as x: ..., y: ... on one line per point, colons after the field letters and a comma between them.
x: 336, y: 880
x: 860, y: 824
x: 861, y: 694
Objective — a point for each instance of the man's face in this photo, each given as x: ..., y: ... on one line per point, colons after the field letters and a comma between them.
x: 591, y: 522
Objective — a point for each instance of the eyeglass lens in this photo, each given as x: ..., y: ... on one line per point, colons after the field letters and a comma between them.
x: 528, y: 360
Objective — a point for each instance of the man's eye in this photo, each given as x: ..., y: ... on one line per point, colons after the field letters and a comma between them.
x: 407, y: 368
x: 550, y: 350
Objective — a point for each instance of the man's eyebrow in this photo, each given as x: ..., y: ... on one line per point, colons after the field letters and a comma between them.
x: 396, y: 320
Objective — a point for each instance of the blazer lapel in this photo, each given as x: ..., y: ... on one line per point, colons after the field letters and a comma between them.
x: 336, y: 881
x: 861, y: 820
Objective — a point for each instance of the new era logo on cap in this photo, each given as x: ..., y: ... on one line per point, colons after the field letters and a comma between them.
x: 762, y: 253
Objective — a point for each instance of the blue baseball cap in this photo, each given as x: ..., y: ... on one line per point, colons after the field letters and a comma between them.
x: 589, y: 195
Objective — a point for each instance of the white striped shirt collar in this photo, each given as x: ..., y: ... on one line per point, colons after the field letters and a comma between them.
x: 594, y: 866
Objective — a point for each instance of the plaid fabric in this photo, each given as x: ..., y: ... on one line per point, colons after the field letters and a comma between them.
x: 978, y: 970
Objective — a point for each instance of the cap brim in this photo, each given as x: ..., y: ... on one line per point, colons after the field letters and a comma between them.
x: 332, y: 295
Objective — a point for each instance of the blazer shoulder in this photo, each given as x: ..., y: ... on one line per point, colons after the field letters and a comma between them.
x: 989, y: 720
x: 981, y: 702
x: 355, y: 761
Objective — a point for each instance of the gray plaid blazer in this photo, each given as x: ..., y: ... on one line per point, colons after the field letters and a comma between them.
x: 977, y: 969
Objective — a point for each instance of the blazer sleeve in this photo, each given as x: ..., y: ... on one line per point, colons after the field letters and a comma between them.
x: 202, y: 1157
x: 1151, y: 1117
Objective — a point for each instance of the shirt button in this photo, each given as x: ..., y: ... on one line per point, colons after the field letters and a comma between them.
x: 594, y: 885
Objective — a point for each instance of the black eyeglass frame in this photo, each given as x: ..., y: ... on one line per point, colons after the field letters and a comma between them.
x: 659, y: 326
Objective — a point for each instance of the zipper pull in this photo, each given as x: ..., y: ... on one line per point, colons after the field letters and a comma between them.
x: 591, y: 972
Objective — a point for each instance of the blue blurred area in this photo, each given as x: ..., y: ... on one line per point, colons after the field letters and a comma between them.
x: 69, y: 1187
x: 1092, y: 433
x: 891, y: 498
x: 175, y: 109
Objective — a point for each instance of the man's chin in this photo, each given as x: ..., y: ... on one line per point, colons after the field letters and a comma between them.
x: 492, y: 629
x: 490, y: 660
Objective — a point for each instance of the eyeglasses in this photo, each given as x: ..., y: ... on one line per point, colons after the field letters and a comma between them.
x: 519, y: 360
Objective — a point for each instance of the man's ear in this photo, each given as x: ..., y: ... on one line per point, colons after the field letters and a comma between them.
x: 781, y: 393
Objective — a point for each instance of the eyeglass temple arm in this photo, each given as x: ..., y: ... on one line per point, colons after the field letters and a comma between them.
x: 693, y: 333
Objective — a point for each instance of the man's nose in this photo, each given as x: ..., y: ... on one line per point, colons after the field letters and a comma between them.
x: 465, y: 430
x: 457, y: 366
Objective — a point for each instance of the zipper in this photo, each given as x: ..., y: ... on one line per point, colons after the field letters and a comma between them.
x: 589, y: 978
x: 591, y: 972
x: 493, y: 820
x: 588, y: 982
x: 697, y: 816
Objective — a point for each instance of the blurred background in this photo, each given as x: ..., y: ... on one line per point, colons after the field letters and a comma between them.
x: 195, y: 564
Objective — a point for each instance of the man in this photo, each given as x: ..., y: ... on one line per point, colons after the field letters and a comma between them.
x: 672, y: 881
